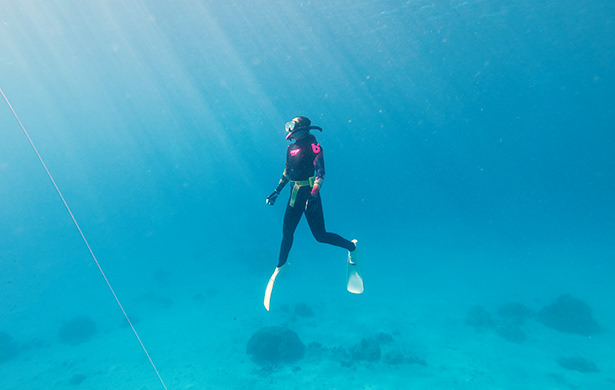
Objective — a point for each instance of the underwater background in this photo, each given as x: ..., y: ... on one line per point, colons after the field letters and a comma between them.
x: 469, y: 146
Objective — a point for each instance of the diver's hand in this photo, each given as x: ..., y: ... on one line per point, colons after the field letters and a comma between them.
x: 271, y: 198
x: 313, y: 203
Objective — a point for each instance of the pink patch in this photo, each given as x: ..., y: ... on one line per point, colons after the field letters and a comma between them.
x: 294, y: 152
x: 316, y: 148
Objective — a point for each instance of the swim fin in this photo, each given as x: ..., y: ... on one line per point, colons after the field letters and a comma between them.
x: 269, y: 289
x: 354, y: 280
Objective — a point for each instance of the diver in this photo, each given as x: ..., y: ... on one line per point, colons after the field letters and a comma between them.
x: 305, y: 168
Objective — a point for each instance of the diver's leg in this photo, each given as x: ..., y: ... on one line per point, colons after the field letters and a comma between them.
x: 316, y: 220
x: 292, y: 216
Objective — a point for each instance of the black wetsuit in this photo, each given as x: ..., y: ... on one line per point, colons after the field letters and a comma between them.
x: 305, y: 159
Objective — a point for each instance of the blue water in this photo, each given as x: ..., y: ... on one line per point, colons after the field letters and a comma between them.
x: 469, y: 145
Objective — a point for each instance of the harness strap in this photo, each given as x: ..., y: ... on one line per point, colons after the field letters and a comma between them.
x: 297, y: 186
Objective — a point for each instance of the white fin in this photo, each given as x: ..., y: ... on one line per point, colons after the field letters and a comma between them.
x: 269, y: 289
x: 354, y: 280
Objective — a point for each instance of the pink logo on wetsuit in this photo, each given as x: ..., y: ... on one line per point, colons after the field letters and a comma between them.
x: 316, y: 148
x: 294, y: 152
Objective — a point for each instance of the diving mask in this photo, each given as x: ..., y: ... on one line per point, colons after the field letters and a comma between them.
x: 299, y: 123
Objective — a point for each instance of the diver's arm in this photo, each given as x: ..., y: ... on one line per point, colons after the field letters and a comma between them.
x: 285, y: 179
x: 282, y: 183
x: 313, y: 202
x: 319, y: 168
x: 274, y: 195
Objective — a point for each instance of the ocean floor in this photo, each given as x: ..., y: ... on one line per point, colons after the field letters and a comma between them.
x: 407, y: 331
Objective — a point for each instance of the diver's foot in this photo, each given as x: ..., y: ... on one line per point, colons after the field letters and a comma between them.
x: 352, y: 255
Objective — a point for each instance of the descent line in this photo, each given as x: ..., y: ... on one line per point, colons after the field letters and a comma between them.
x: 87, y: 244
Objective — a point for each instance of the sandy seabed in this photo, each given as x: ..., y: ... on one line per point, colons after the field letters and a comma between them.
x: 199, y: 342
